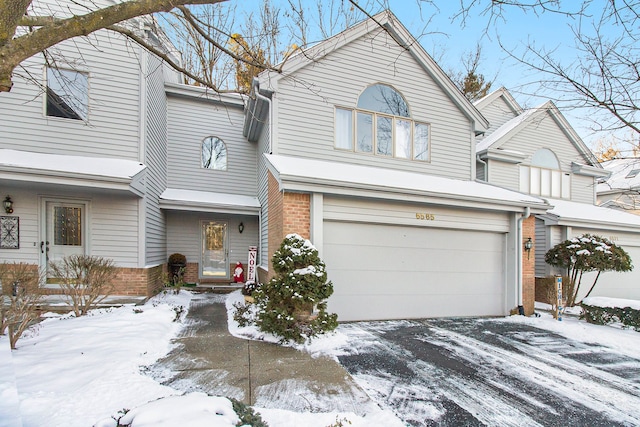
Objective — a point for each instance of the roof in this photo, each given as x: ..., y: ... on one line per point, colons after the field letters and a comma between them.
x: 623, y: 176
x: 485, y: 101
x: 503, y: 134
x: 297, y: 174
x: 206, y: 201
x: 390, y: 23
x: 590, y: 216
x: 83, y: 171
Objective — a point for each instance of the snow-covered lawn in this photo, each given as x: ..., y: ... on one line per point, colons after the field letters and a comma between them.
x: 83, y: 371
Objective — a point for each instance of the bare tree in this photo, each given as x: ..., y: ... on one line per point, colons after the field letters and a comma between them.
x: 470, y: 82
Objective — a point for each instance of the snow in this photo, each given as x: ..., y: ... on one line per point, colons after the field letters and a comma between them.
x: 592, y: 214
x: 620, y: 169
x: 208, y: 198
x: 64, y: 164
x: 612, y: 302
x: 503, y: 130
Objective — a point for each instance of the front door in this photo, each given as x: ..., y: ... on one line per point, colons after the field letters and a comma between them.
x: 215, y: 251
x: 65, y: 231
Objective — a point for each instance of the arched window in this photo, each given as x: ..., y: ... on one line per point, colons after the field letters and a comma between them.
x: 545, y: 177
x: 214, y: 153
x: 382, y: 125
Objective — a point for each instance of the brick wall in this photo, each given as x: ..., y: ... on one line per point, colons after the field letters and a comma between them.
x: 528, y: 266
x: 138, y: 281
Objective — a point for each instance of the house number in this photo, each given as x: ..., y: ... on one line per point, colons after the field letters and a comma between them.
x: 425, y: 216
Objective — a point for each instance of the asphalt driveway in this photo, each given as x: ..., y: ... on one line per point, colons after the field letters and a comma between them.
x: 473, y: 372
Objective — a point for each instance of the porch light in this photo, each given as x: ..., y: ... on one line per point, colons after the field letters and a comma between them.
x: 8, y: 205
x: 241, y: 228
x: 527, y: 246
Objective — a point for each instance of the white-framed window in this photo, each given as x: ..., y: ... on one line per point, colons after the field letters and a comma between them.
x: 544, y: 177
x: 214, y: 153
x: 381, y: 125
x: 67, y: 94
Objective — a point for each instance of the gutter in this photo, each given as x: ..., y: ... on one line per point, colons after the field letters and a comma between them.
x: 484, y: 168
x: 526, y: 214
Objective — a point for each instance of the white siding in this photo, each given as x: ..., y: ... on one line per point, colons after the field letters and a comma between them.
x: 306, y: 102
x: 506, y: 175
x: 189, y: 122
x: 112, y: 128
x: 156, y: 160
x: 498, y: 113
x: 583, y: 189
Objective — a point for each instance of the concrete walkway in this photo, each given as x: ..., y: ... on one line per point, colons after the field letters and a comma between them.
x: 211, y: 360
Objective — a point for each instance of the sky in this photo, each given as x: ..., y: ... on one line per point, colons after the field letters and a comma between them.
x: 447, y: 39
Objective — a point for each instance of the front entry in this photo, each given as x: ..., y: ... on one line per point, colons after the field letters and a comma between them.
x: 215, y: 250
x: 64, y: 233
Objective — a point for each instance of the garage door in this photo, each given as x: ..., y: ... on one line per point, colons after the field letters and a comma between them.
x: 400, y: 272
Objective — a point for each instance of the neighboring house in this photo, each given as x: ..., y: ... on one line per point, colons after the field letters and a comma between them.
x: 361, y: 143
x: 622, y: 189
x: 537, y: 152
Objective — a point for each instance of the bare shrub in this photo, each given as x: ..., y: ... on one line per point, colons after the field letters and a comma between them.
x: 20, y: 298
x: 85, y: 280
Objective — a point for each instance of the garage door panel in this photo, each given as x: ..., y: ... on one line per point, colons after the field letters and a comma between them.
x: 413, y: 272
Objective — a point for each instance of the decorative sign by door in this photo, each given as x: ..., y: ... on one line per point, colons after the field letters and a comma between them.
x: 9, y: 232
x: 251, y: 265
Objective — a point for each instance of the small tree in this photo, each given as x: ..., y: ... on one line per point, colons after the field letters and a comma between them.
x: 20, y: 297
x: 86, y: 280
x: 585, y: 254
x: 286, y: 304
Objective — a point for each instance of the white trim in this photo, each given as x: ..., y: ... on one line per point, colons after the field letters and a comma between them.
x: 204, y: 201
x: 317, y: 222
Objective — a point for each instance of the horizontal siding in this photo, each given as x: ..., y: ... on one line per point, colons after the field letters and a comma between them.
x: 189, y: 122
x: 506, y: 175
x: 305, y: 107
x: 183, y: 234
x: 344, y: 209
x: 263, y: 191
x: 113, y: 125
x: 25, y: 207
x: 498, y: 113
x: 583, y: 189
x: 541, y: 248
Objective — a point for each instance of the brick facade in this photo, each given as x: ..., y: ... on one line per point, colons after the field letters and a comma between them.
x: 528, y: 266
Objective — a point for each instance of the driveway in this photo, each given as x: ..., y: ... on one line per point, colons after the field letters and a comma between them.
x: 473, y: 372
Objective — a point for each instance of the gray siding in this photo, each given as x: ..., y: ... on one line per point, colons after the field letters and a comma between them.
x: 506, y: 175
x: 156, y: 161
x: 306, y: 102
x: 263, y: 190
x: 583, y: 189
x: 113, y: 123
x: 498, y: 113
x: 541, y: 248
x: 189, y: 122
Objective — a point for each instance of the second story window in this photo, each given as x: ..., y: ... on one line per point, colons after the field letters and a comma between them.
x: 544, y: 177
x: 214, y: 154
x: 67, y: 94
x: 381, y: 125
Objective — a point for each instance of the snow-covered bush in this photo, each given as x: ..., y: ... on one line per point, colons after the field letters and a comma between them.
x: 293, y: 304
x: 585, y: 254
x: 85, y: 280
x: 20, y: 296
x: 627, y: 316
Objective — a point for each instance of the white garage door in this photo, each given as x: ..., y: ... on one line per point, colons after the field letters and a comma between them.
x: 400, y: 272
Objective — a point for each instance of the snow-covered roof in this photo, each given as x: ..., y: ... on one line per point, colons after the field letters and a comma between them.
x: 206, y: 201
x: 301, y: 174
x: 625, y: 175
x: 503, y: 130
x: 98, y: 172
x: 586, y: 215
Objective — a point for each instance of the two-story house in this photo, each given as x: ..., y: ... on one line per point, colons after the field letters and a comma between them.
x: 537, y: 152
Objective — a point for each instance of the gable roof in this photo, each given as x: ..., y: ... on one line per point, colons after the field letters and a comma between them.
x: 388, y: 22
x: 487, y: 100
x: 505, y: 132
x: 625, y: 176
x: 585, y: 215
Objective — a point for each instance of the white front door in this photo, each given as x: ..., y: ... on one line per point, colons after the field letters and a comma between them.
x: 64, y: 231
x: 215, y: 250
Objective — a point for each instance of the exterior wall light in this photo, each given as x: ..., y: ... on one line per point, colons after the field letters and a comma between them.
x: 8, y: 205
x: 527, y: 246
x: 241, y: 228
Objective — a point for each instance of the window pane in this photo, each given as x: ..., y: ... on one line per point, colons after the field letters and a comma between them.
x: 403, y: 139
x: 214, y: 250
x: 67, y: 226
x: 535, y: 181
x: 67, y: 94
x: 383, y: 99
x: 545, y: 182
x: 344, y: 129
x: 421, y: 141
x: 384, y: 135
x: 364, y: 142
x: 545, y: 158
x: 214, y: 154
x: 556, y: 184
x: 566, y: 186
x: 524, y: 179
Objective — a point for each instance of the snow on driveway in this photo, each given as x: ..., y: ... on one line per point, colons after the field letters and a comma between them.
x: 497, y: 371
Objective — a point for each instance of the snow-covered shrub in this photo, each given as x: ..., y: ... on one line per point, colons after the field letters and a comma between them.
x: 628, y: 316
x: 293, y: 304
x: 85, y: 280
x: 585, y: 254
x: 19, y: 299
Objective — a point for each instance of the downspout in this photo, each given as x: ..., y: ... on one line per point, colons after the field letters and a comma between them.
x: 484, y: 168
x: 526, y: 214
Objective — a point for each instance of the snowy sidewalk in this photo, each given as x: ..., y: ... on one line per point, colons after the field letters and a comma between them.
x: 209, y: 359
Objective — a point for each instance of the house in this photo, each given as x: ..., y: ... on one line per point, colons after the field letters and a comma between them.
x: 621, y: 189
x: 361, y: 143
x: 536, y: 151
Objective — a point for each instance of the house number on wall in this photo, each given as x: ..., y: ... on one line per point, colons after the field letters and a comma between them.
x: 425, y: 216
